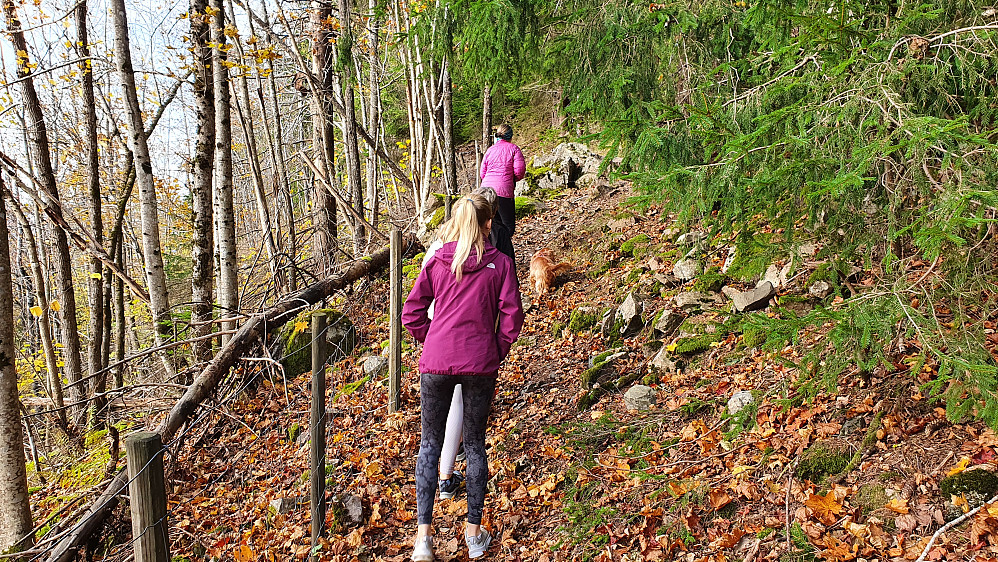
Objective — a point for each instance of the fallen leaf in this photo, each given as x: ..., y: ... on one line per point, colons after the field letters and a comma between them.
x: 718, y: 498
x: 825, y: 508
x: 898, y: 505
x: 243, y: 553
x: 960, y: 466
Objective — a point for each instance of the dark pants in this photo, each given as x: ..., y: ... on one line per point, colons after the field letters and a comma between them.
x: 435, y: 392
x: 503, y: 227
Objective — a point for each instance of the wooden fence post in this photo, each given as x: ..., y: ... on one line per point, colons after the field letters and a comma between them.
x: 317, y: 425
x: 147, y: 496
x: 395, y: 324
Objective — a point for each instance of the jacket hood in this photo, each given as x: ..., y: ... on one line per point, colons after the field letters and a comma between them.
x: 446, y: 254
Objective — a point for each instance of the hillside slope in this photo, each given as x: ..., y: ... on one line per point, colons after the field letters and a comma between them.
x: 683, y: 480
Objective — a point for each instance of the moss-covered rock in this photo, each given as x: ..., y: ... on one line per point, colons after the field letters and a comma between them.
x: 293, y: 343
x: 823, y: 459
x: 697, y: 343
x: 630, y: 246
x: 436, y: 220
x: 977, y: 481
x: 710, y: 281
x: 582, y: 319
x: 525, y: 206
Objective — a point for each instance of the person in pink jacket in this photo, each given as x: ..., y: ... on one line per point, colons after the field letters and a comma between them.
x: 502, y: 166
x: 477, y: 316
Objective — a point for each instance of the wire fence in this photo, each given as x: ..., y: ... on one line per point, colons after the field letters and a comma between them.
x: 360, y: 292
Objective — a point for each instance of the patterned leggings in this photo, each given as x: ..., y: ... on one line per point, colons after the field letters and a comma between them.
x: 435, y: 397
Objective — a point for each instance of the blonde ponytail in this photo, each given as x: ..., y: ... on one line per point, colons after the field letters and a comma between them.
x: 471, y: 212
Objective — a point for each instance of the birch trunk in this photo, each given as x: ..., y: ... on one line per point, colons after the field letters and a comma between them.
x: 39, y: 148
x: 95, y: 283
x: 44, y: 323
x: 355, y: 188
x: 15, y: 510
x: 159, y: 298
x: 282, y: 187
x: 324, y: 243
x: 244, y: 110
x: 224, y: 215
x: 203, y: 251
x: 374, y: 109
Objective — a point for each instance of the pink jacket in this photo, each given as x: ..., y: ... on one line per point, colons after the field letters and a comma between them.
x: 502, y: 166
x: 463, y: 337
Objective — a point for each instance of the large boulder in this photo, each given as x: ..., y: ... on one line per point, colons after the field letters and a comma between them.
x: 663, y: 362
x: 569, y: 160
x: 293, y: 343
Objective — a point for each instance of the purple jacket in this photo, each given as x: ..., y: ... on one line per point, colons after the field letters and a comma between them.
x: 463, y: 338
x: 502, y: 166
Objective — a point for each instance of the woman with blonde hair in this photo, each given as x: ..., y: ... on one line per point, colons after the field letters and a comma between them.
x: 477, y: 317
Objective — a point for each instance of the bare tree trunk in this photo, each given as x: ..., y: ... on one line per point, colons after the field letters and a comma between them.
x: 44, y: 324
x: 159, y: 298
x: 486, y: 118
x: 324, y: 243
x: 39, y: 147
x: 15, y: 510
x: 225, y: 221
x: 203, y: 251
x: 450, y: 162
x: 344, y: 45
x: 282, y: 187
x: 244, y: 111
x: 374, y: 109
x: 95, y: 284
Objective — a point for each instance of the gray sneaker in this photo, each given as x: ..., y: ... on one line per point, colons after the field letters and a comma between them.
x: 423, y: 550
x: 478, y: 545
x: 452, y: 486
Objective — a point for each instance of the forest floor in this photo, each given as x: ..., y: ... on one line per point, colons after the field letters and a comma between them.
x: 809, y: 471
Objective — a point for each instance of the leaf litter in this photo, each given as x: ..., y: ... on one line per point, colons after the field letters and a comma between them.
x: 682, y: 481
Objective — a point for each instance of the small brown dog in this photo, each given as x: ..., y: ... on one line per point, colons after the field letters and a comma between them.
x: 543, y: 270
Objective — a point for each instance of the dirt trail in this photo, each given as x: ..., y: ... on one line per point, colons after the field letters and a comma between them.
x: 679, y: 482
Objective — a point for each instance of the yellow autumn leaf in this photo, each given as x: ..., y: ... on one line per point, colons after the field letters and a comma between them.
x: 960, y: 466
x: 36, y: 311
x: 671, y: 347
x: 244, y: 553
x: 55, y: 306
x: 898, y: 505
x: 95, y: 275
x: 372, y: 469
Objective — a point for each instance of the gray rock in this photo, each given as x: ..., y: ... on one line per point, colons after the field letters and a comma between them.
x: 730, y: 259
x: 282, y: 505
x: 668, y: 280
x: 522, y: 188
x: 586, y: 180
x: 655, y: 264
x: 691, y: 300
x: 692, y: 238
x: 662, y: 362
x: 552, y: 181
x: 729, y: 291
x: 629, y: 314
x: 775, y: 276
x: 525, y: 341
x: 606, y: 323
x: 375, y: 366
x: 639, y: 397
x: 739, y: 400
x: 808, y: 249
x: 820, y: 289
x: 351, y: 509
x: 686, y: 269
x: 756, y: 299
x: 668, y: 322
